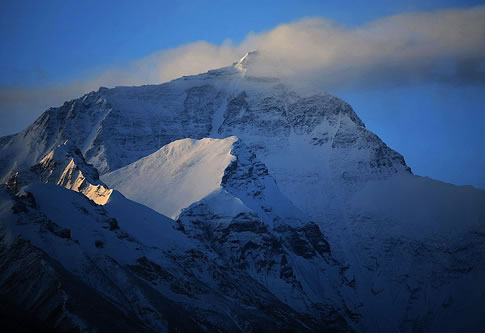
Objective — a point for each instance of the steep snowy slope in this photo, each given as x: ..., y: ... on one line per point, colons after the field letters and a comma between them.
x: 420, y: 258
x: 186, y: 171
x: 177, y: 175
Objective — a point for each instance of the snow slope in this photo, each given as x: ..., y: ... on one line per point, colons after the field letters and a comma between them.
x: 419, y: 252
x: 177, y: 175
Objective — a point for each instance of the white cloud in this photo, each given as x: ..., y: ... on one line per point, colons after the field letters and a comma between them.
x: 435, y: 45
x: 446, y: 45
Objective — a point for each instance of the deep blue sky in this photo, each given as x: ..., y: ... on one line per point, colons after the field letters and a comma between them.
x: 63, y: 39
x: 438, y: 128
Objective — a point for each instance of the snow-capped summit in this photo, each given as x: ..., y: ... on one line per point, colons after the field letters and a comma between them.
x: 243, y: 63
x: 115, y: 127
x: 290, y: 212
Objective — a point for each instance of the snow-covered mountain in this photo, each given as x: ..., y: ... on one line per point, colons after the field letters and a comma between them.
x: 286, y: 214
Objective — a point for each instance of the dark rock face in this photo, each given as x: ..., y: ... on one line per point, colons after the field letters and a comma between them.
x: 199, y: 104
x: 306, y: 114
x: 246, y: 244
x: 142, y: 132
x: 306, y: 241
x: 266, y: 116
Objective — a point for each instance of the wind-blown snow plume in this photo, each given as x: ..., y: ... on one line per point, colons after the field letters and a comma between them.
x: 444, y: 45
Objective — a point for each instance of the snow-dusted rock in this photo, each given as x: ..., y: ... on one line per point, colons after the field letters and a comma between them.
x: 64, y: 166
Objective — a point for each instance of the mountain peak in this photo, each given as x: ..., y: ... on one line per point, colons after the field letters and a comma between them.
x: 291, y: 214
x: 243, y: 63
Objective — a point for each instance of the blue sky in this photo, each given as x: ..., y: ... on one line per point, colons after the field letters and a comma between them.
x: 436, y: 125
